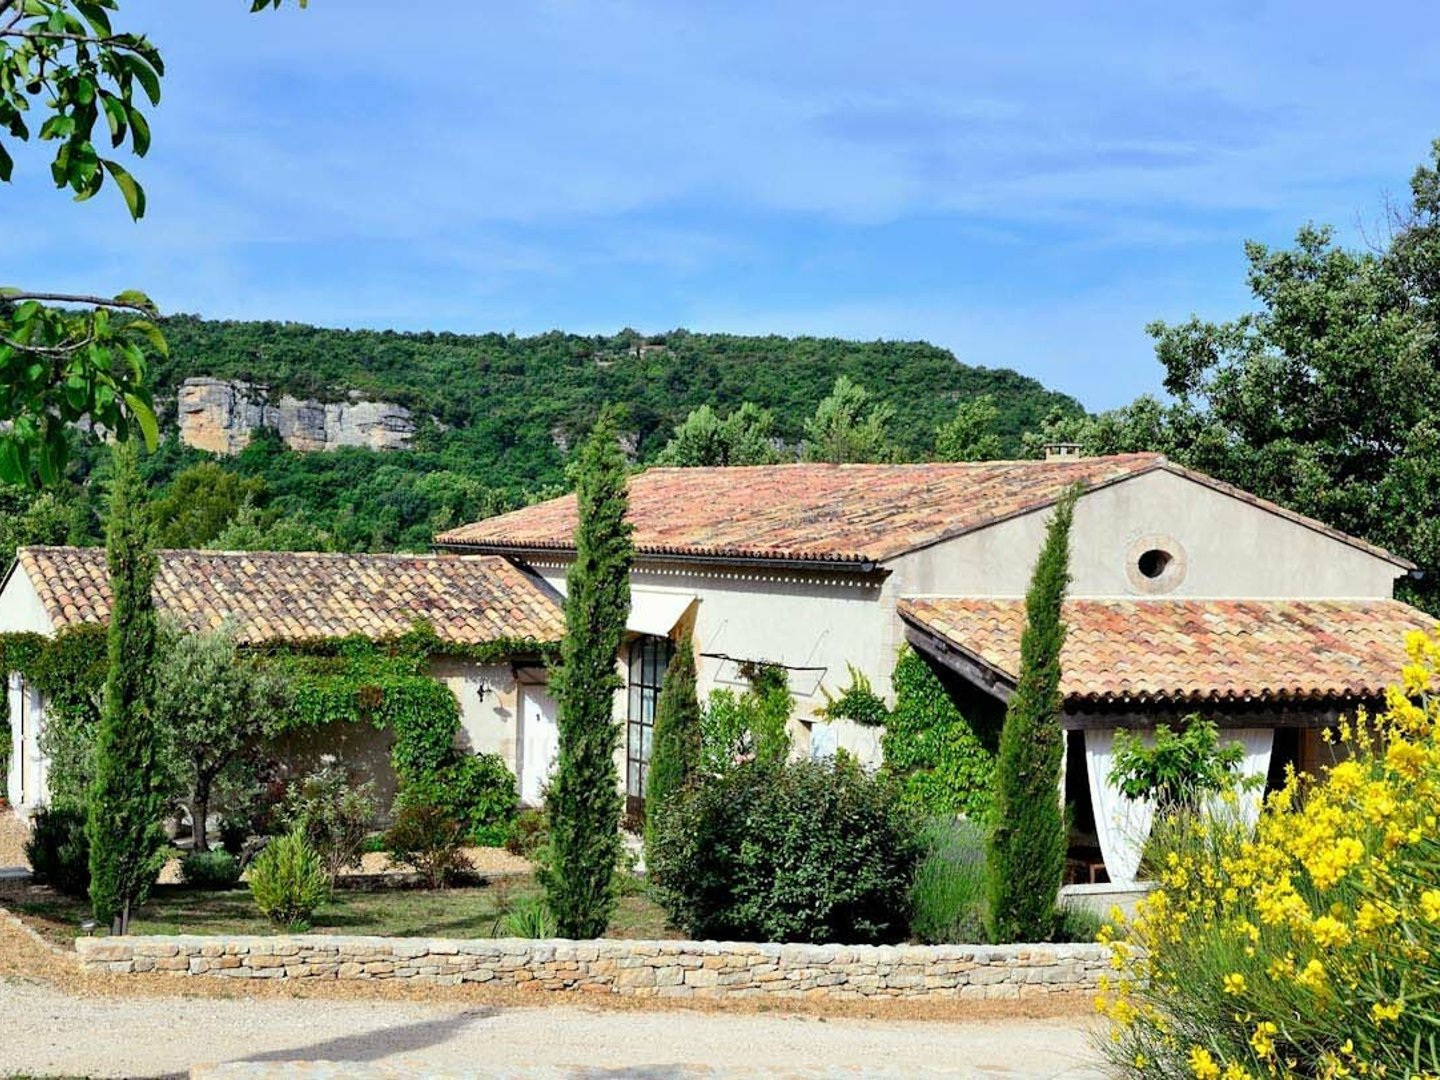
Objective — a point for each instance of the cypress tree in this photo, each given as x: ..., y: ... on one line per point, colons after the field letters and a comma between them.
x: 1025, y: 855
x: 127, y: 798
x: 584, y: 800
x: 675, y: 754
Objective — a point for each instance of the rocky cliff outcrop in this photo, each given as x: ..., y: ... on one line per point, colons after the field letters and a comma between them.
x: 219, y: 414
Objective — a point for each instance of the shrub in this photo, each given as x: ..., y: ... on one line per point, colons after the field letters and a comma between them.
x: 947, y: 898
x: 529, y: 918
x: 289, y: 881
x: 477, y: 790
x: 429, y: 838
x: 59, y: 850
x: 334, y: 814
x: 210, y: 870
x: 755, y: 724
x: 1308, y: 945
x: 798, y: 851
x: 529, y: 832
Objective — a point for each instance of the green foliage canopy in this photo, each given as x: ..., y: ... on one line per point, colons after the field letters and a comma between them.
x: 744, y: 437
x: 1179, y: 770
x: 211, y: 704
x: 850, y: 425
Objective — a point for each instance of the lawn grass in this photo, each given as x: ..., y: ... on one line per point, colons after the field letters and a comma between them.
x: 459, y: 912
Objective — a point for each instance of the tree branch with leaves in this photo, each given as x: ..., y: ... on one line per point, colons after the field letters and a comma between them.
x: 67, y: 358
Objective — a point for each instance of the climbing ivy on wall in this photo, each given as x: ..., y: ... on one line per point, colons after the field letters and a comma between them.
x: 69, y: 670
x: 944, y: 765
x: 335, y: 680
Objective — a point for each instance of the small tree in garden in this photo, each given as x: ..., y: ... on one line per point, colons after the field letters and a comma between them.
x: 127, y: 800
x: 1179, y: 771
x: 584, y: 797
x: 210, y: 705
x: 754, y: 725
x: 676, y: 754
x: 1026, y: 853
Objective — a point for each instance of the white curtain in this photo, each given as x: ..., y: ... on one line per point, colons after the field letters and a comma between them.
x: 1258, y: 742
x: 1122, y: 824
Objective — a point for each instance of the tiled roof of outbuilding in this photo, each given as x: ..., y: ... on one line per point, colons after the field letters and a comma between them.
x: 299, y: 596
x: 1192, y: 651
x: 835, y: 513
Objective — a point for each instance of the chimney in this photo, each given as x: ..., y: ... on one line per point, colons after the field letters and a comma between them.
x: 1062, y: 451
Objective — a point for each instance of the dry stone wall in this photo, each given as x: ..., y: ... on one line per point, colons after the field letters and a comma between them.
x: 657, y: 969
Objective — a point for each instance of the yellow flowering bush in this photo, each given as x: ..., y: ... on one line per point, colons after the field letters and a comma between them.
x: 1310, y: 945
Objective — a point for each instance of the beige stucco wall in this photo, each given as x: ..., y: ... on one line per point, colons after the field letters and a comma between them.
x: 818, y: 621
x: 1231, y: 547
x: 22, y: 612
x: 488, y: 723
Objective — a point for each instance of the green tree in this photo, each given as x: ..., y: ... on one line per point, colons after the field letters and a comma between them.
x: 1180, y: 770
x: 65, y: 61
x: 745, y: 437
x: 675, y: 756
x: 1324, y: 398
x: 54, y: 516
x: 257, y: 530
x: 850, y: 425
x: 1025, y: 856
x: 584, y: 797
x: 200, y: 502
x: 210, y: 705
x: 128, y: 797
x: 970, y: 435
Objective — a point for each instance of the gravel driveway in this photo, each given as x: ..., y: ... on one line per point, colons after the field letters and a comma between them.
x: 47, y: 1031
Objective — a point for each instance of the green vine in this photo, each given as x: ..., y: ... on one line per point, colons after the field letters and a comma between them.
x: 69, y: 670
x: 857, y: 702
x: 944, y: 763
x: 337, y: 680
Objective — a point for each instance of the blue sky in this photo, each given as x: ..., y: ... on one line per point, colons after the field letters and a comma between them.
x: 1026, y: 184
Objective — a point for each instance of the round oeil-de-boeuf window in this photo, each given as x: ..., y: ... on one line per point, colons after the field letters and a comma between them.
x: 1155, y: 564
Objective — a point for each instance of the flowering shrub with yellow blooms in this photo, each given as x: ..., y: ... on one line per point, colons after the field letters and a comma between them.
x: 1310, y: 945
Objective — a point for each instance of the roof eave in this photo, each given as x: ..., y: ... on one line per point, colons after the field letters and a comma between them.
x: 856, y: 565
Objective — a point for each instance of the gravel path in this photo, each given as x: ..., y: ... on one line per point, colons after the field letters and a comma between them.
x: 13, y: 834
x: 56, y: 1021
x: 51, y: 1032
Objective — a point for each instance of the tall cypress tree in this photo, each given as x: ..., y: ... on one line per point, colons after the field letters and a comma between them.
x: 127, y: 799
x: 584, y: 800
x: 675, y: 755
x: 1025, y: 855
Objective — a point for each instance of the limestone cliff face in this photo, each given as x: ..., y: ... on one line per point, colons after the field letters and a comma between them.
x: 219, y: 414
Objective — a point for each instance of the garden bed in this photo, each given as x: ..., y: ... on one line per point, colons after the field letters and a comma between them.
x: 466, y: 912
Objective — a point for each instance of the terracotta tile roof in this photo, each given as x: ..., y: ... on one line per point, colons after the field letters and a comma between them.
x: 825, y: 513
x: 298, y: 596
x: 1193, y: 650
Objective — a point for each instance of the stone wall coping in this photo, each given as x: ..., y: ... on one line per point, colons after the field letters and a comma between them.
x: 555, y: 948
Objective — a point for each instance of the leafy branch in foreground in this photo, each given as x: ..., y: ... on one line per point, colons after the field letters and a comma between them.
x: 65, y: 61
